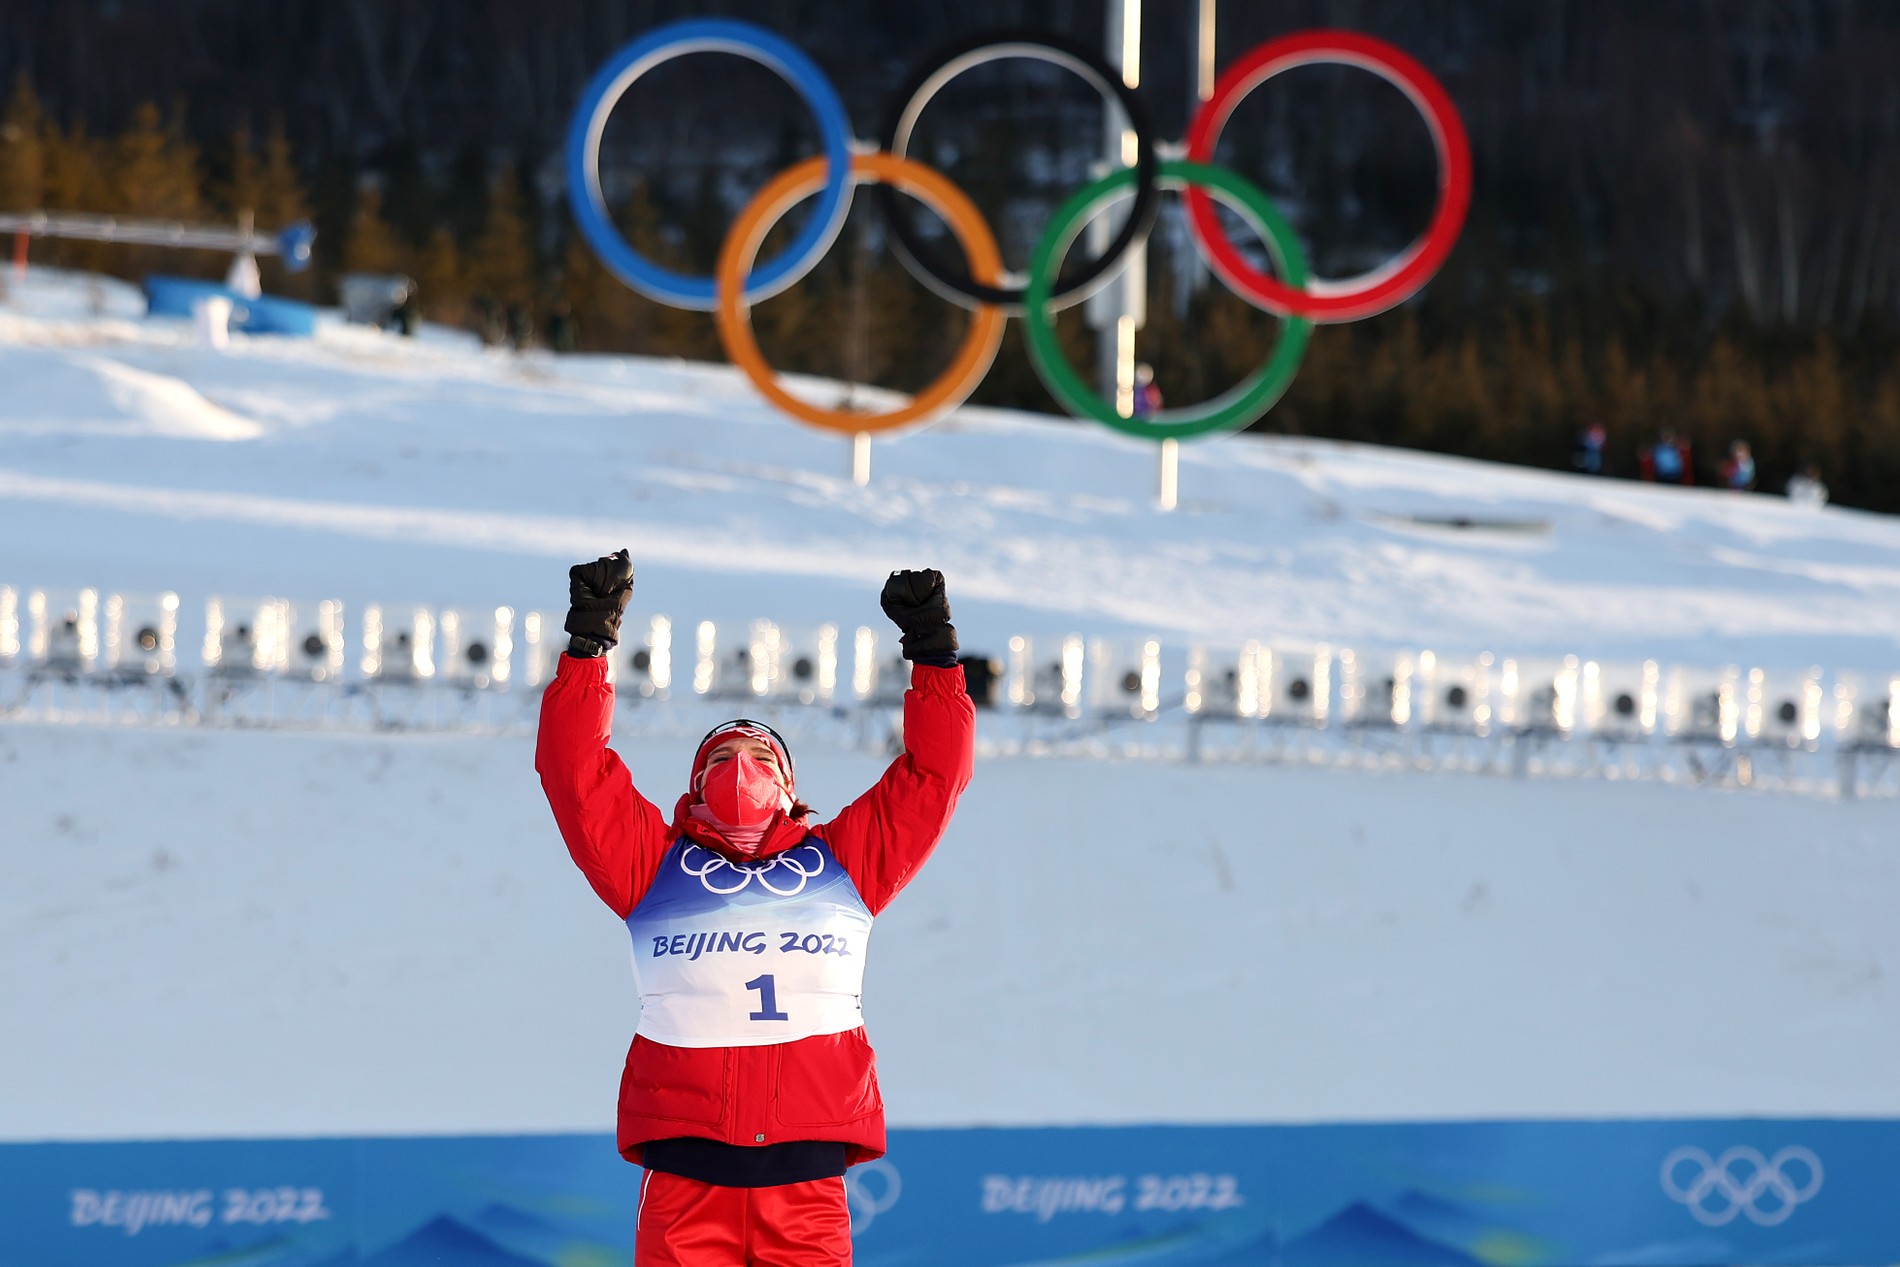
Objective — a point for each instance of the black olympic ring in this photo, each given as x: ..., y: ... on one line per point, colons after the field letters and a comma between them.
x: 956, y: 285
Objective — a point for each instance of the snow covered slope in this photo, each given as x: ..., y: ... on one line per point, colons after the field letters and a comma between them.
x: 363, y: 466
x: 225, y: 933
x: 217, y: 933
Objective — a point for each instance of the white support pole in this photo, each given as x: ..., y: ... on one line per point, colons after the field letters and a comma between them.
x: 1168, y: 477
x: 861, y: 458
x: 1119, y: 309
x: 1204, y: 51
x: 1190, y: 262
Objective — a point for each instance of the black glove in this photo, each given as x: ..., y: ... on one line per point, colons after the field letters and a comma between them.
x: 916, y: 604
x: 597, y: 595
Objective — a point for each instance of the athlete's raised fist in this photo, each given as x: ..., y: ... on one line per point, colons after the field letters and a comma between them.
x: 597, y: 595
x: 916, y: 603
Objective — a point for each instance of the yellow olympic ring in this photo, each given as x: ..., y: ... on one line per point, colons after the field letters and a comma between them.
x: 935, y: 191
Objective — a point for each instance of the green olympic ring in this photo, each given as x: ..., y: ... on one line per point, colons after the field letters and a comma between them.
x: 1240, y: 404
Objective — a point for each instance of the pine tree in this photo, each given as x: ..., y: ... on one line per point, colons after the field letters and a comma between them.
x: 1812, y: 411
x: 280, y: 199
x: 614, y: 317
x: 1731, y: 400
x: 441, y: 288
x: 1626, y: 394
x: 277, y: 200
x: 1866, y: 471
x: 22, y: 150
x: 1318, y: 396
x: 372, y: 247
x: 585, y: 287
x: 154, y: 173
x: 792, y: 328
x: 911, y: 332
x: 237, y: 196
x: 75, y: 180
x: 501, y: 264
x: 75, y: 177
x: 155, y: 169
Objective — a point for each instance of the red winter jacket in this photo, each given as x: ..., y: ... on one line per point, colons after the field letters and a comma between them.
x: 818, y: 1088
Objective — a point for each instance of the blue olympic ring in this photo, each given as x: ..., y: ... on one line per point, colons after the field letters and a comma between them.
x: 700, y: 35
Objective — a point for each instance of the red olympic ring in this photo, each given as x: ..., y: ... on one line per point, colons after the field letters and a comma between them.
x: 1402, y: 276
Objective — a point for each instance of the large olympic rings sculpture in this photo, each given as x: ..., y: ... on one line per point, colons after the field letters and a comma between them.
x: 742, y: 280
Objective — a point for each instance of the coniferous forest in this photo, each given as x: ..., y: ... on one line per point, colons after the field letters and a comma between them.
x: 1686, y: 212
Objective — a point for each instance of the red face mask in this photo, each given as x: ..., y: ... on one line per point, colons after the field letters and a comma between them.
x: 742, y: 792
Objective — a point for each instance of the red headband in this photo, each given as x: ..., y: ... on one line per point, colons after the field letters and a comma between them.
x: 752, y: 730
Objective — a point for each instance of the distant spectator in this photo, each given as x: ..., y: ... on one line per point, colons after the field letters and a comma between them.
x: 490, y: 321
x: 520, y: 326
x: 405, y: 316
x: 1738, y: 473
x: 1806, y: 489
x: 1669, y: 461
x: 1147, y: 395
x: 1587, y: 456
x: 563, y: 332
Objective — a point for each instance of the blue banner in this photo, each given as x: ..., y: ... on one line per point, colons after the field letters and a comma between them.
x: 1507, y: 1194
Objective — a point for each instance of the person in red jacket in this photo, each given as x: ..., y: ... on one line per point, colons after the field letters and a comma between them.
x: 750, y: 1085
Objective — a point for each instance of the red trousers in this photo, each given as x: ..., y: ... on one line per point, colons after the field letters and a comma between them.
x: 686, y: 1223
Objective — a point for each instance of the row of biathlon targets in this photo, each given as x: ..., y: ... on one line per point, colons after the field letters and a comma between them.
x: 500, y: 649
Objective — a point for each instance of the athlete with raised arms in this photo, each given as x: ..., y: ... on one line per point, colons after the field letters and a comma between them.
x: 750, y: 1085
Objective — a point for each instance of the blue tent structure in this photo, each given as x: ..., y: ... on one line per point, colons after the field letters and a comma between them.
x: 176, y: 296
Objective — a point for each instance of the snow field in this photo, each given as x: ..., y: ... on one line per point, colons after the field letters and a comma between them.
x: 227, y: 933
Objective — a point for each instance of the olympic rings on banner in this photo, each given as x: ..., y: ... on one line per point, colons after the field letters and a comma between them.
x: 865, y: 1199
x: 1243, y: 403
x: 1383, y: 287
x: 983, y: 285
x: 1720, y: 1188
x: 980, y: 51
x: 611, y: 83
x: 973, y: 358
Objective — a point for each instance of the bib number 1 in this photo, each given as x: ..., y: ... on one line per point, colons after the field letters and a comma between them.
x: 768, y: 999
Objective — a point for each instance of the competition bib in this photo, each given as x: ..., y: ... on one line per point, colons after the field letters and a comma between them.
x: 740, y: 954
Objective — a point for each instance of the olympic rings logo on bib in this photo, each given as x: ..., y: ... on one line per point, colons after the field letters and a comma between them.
x: 741, y: 280
x: 723, y: 876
